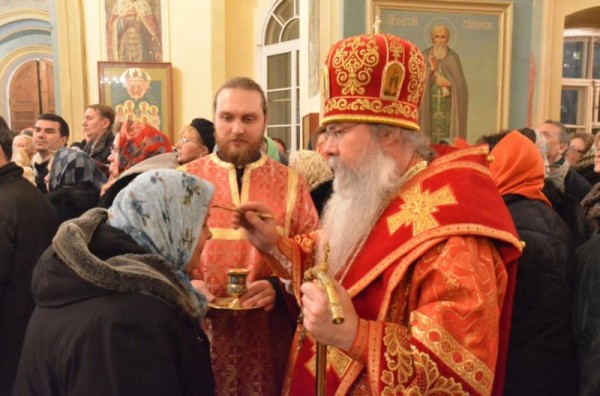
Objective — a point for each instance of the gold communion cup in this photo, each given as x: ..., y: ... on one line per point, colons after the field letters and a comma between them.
x: 236, y: 285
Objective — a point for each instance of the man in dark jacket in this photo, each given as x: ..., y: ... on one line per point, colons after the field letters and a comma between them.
x: 27, y: 225
x: 566, y: 179
x: 97, y: 124
x: 541, y: 351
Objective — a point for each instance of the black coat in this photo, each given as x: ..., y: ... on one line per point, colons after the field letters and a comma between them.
x: 100, y: 151
x: 86, y: 340
x: 576, y: 185
x: 321, y: 194
x: 569, y: 209
x: 541, y: 351
x: 587, y: 316
x: 27, y: 225
x: 71, y: 202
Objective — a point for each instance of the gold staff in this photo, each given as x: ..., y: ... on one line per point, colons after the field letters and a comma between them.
x: 319, y: 273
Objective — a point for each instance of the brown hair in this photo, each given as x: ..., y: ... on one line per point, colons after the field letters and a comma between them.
x: 587, y: 139
x: 246, y: 84
x: 106, y: 112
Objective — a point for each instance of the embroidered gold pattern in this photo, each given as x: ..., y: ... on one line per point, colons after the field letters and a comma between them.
x: 406, y: 365
x: 336, y: 359
x: 372, y: 105
x: 418, y: 208
x: 452, y: 353
x: 353, y: 63
x: 416, y: 84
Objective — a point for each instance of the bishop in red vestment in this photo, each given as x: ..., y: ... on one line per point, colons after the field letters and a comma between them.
x: 422, y: 250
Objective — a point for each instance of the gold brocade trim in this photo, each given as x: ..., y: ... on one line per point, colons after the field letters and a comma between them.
x: 399, y: 273
x: 336, y: 359
x: 230, y: 234
x: 370, y: 119
x: 480, y: 149
x: 418, y: 74
x: 353, y: 64
x: 445, y: 166
x: 476, y: 230
x: 452, y: 353
x: 375, y: 353
x: 395, y: 108
x: 292, y: 196
x: 418, y: 208
x: 406, y: 364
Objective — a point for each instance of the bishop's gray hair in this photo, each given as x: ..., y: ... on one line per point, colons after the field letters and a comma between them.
x: 412, y: 138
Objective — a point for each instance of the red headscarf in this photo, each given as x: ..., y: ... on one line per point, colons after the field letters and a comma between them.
x: 138, y: 142
x: 518, y: 168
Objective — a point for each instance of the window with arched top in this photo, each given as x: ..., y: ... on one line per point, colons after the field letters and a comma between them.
x: 280, y: 71
x: 580, y: 97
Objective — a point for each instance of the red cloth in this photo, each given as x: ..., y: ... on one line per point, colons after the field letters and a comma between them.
x: 139, y: 142
x: 432, y: 285
x: 518, y: 168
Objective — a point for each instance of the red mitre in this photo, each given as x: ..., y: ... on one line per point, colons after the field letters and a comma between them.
x: 376, y: 79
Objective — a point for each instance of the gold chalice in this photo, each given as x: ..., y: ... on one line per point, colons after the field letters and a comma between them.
x: 236, y: 285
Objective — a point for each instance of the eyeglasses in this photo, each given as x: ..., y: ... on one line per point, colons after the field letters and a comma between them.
x: 575, y: 150
x: 185, y: 140
x: 337, y: 132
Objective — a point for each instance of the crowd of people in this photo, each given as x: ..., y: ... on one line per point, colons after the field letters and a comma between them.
x: 456, y: 268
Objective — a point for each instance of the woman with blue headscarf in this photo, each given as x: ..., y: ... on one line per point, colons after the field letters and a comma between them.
x: 116, y: 314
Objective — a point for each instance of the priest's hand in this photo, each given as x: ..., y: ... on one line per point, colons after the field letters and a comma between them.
x: 317, y: 318
x: 260, y: 231
x: 260, y: 294
x: 201, y: 287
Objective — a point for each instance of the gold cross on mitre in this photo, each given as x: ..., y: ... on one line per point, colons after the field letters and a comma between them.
x: 418, y: 208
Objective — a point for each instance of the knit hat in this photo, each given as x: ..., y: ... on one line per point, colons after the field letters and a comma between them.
x: 206, y: 129
x: 376, y: 78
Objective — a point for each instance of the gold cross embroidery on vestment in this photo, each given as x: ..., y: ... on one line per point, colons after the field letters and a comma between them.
x: 418, y: 208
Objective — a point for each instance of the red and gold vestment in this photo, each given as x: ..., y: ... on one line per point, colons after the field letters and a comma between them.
x: 248, y: 348
x: 432, y: 286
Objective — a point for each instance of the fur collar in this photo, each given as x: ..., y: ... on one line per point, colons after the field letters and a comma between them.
x: 147, y: 274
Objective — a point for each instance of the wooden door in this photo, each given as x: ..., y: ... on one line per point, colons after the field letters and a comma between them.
x: 31, y: 93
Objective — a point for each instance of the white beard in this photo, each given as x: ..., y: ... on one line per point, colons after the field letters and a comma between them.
x: 440, y: 52
x: 355, y: 205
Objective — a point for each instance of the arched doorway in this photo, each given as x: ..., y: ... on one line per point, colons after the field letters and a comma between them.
x: 31, y: 93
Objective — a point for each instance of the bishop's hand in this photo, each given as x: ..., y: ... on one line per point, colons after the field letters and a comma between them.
x: 260, y: 231
x: 317, y: 317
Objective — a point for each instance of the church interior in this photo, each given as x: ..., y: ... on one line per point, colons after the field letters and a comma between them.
x: 524, y: 61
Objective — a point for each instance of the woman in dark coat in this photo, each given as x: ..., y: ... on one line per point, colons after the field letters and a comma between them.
x: 74, y: 182
x: 541, y: 349
x: 116, y: 314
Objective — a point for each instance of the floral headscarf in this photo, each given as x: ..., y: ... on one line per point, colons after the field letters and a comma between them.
x: 312, y: 166
x: 71, y: 166
x: 163, y: 210
x: 138, y: 142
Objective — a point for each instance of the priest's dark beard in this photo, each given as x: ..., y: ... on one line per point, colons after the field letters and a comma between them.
x: 359, y: 192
